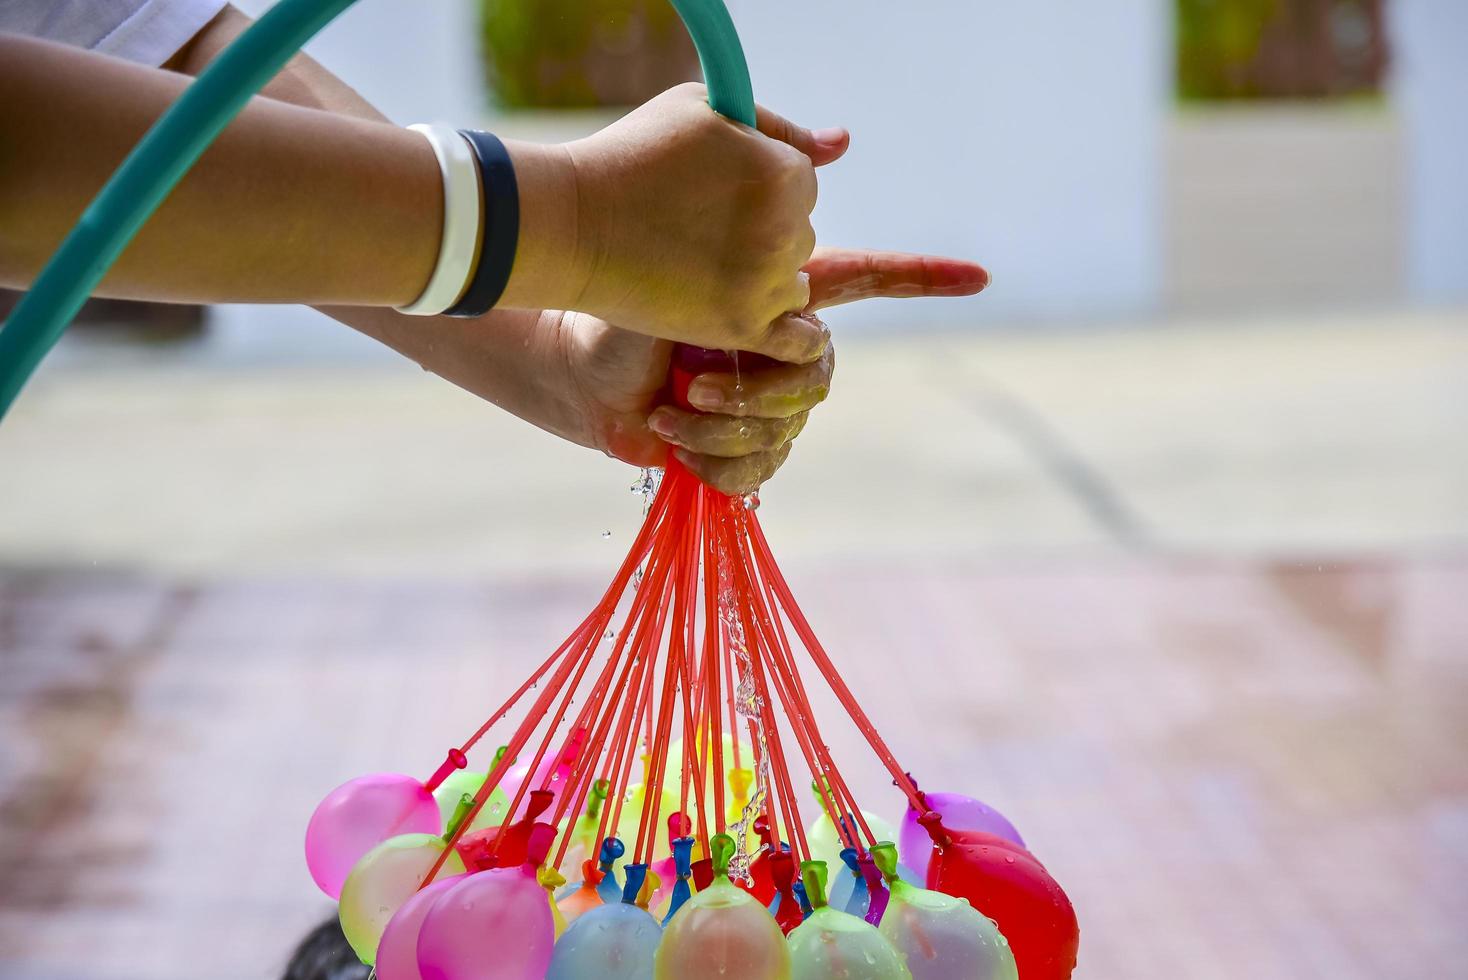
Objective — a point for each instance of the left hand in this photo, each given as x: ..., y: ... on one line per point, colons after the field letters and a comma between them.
x: 618, y: 379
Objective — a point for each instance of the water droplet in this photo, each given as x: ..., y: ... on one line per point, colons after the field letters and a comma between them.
x: 606, y: 535
x: 751, y: 501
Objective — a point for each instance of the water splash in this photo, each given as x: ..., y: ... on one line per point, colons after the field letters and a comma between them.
x: 649, y: 479
x: 747, y: 704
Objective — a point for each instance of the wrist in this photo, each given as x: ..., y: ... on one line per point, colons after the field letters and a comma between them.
x: 551, y: 265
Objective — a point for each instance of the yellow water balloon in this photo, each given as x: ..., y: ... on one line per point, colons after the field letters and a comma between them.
x: 722, y: 932
x: 385, y: 878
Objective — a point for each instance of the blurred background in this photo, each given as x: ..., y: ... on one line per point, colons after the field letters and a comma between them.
x: 1172, y: 520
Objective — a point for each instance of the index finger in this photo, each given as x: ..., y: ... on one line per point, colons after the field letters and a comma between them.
x: 845, y: 275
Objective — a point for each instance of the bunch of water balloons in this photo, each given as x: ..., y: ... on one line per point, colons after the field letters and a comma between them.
x: 465, y: 876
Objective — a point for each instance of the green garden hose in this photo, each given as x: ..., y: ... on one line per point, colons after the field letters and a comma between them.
x: 180, y: 137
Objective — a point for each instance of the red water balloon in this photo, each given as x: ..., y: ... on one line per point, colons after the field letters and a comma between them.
x: 1009, y: 885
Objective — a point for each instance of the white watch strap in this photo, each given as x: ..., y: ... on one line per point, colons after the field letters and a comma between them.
x: 462, y: 215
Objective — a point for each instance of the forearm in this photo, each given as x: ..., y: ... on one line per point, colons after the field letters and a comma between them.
x: 549, y: 265
x: 509, y: 369
x: 289, y: 205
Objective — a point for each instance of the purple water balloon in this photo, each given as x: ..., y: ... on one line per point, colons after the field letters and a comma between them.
x: 360, y: 814
x: 397, y: 953
x: 959, y: 813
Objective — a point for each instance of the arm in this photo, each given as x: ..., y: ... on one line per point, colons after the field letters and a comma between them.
x: 723, y: 280
x: 509, y: 357
x: 673, y: 222
x: 597, y: 384
x: 289, y: 205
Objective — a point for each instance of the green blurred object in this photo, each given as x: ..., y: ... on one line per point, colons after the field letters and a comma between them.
x: 573, y: 54
x: 1262, y: 49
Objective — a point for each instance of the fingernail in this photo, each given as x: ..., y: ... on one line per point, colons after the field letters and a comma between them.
x: 662, y: 425
x: 703, y: 395
x: 830, y: 136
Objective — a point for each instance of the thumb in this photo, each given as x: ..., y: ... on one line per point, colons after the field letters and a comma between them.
x: 823, y: 146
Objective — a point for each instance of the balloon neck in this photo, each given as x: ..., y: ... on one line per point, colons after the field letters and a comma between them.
x: 612, y: 850
x: 461, y: 813
x: 932, y: 822
x: 821, y: 790
x: 599, y: 790
x: 870, y: 874
x: 702, y: 872
x: 633, y: 875
x: 456, y: 760
x: 542, y: 835
x: 722, y: 846
x: 801, y: 896
x: 813, y: 877
x: 573, y: 748
x: 650, y: 885
x: 540, y: 801
x: 885, y: 856
x: 782, y: 874
x: 683, y: 856
x: 678, y: 826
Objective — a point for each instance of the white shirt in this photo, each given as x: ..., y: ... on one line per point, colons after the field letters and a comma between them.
x: 146, y: 31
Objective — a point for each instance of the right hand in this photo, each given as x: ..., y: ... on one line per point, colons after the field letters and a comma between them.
x: 694, y: 228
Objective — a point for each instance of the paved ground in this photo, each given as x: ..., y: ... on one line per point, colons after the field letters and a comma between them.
x: 1236, y: 769
x: 1243, y: 436
x: 1292, y: 205
x: 1187, y: 599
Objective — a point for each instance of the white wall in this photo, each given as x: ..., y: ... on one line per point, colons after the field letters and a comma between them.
x: 1024, y: 134
x: 1430, y: 56
x: 413, y: 59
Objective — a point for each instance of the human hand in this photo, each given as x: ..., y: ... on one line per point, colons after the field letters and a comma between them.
x: 688, y: 226
x: 617, y: 380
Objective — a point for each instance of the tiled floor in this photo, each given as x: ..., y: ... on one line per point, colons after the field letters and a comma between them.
x: 1237, y: 769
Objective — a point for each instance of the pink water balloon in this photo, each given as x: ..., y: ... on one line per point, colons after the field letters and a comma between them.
x: 493, y: 925
x: 397, y: 953
x: 959, y: 813
x: 551, y: 774
x: 360, y: 814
